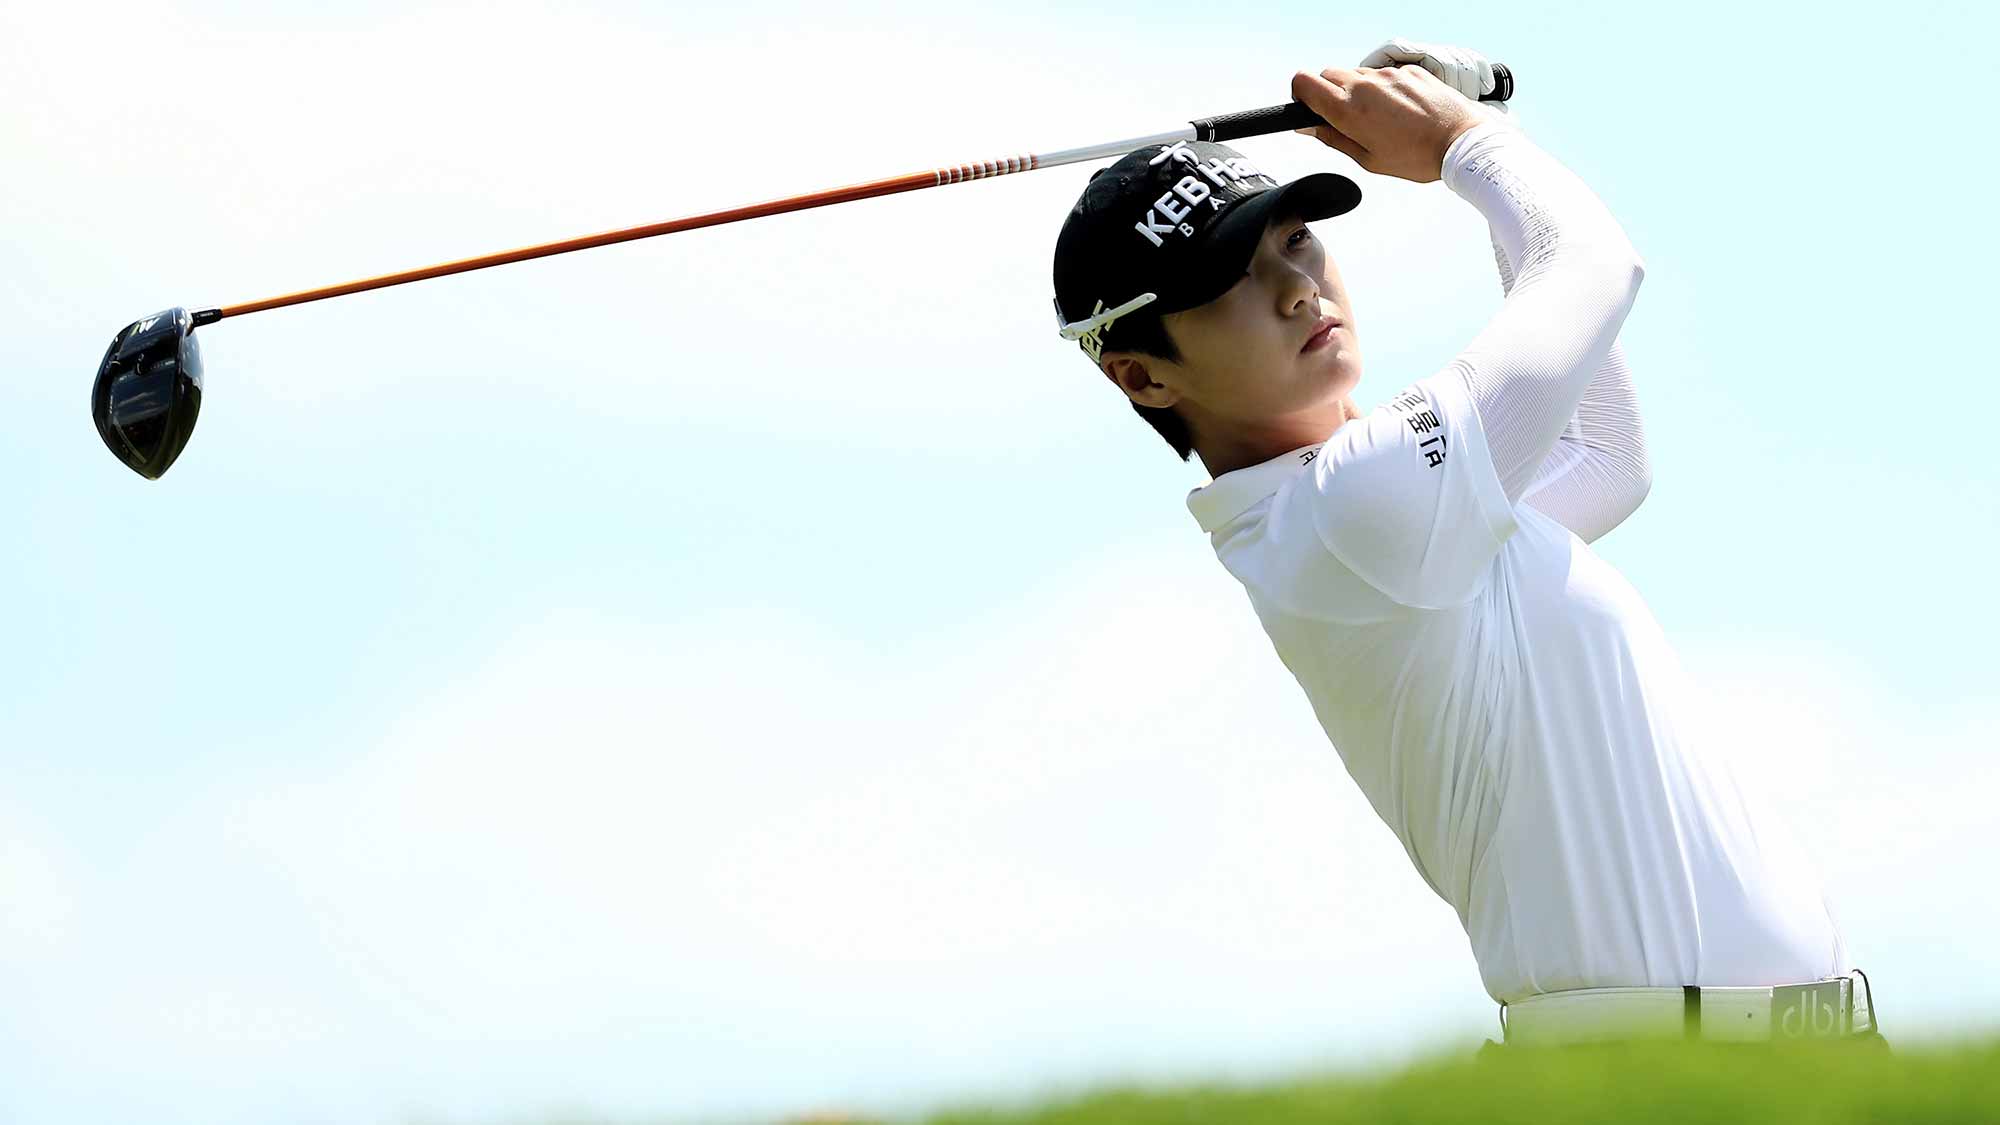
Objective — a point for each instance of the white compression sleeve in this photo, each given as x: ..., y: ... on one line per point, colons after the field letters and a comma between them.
x: 1598, y: 472
x: 1576, y: 275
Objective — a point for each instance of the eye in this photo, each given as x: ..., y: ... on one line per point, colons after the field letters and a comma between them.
x: 1293, y: 241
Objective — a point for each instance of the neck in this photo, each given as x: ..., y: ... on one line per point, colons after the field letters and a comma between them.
x: 1225, y: 446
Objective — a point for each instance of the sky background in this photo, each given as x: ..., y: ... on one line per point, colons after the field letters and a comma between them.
x: 765, y: 668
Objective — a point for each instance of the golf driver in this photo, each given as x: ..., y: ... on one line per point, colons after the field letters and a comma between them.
x: 148, y: 389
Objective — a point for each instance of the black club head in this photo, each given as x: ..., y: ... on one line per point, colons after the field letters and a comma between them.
x: 148, y: 391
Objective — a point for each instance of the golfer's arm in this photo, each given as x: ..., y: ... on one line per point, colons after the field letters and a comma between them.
x: 1598, y: 473
x: 1576, y: 276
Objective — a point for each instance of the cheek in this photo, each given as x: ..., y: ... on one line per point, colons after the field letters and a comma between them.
x: 1331, y: 285
x: 1226, y: 333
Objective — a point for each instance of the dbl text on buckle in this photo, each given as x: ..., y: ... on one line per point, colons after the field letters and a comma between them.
x: 1821, y: 1010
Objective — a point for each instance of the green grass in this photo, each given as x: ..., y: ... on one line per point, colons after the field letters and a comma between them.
x: 1633, y: 1085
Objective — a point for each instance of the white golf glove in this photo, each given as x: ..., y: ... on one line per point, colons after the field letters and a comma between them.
x: 1466, y: 71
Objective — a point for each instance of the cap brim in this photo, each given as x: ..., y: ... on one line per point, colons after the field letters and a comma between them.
x: 1232, y: 241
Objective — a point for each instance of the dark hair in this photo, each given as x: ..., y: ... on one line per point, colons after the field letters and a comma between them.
x: 1147, y: 335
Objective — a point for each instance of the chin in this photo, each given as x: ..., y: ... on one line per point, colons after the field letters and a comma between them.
x: 1341, y: 373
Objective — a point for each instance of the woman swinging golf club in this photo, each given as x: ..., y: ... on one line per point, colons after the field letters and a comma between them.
x: 1502, y: 696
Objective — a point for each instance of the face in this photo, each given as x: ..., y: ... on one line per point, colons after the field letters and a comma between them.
x: 1255, y: 353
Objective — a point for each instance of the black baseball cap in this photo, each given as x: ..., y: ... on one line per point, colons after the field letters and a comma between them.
x: 1172, y: 227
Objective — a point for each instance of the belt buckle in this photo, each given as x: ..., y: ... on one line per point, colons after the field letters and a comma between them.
x: 1820, y: 1010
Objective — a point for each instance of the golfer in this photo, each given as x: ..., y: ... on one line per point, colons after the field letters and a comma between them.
x: 1499, y: 692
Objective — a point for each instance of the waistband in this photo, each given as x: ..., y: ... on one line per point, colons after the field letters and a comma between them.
x: 1821, y: 1009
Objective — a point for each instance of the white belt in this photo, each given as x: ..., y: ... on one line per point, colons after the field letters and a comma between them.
x: 1824, y: 1009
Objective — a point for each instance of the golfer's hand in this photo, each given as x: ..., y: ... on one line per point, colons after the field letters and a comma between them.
x: 1395, y: 122
x: 1466, y: 71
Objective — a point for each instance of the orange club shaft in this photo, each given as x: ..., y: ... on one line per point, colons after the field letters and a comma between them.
x: 935, y: 177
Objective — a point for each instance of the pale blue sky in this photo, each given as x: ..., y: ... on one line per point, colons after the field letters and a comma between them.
x: 764, y: 667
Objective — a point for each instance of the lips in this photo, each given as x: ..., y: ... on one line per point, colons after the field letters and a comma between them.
x: 1322, y: 334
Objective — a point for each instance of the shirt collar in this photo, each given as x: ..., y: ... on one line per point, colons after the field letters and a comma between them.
x: 1233, y: 493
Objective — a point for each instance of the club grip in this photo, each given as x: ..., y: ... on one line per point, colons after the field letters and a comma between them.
x: 1256, y: 122
x: 1294, y: 115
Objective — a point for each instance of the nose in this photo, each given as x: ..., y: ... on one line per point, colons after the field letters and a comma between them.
x: 1298, y: 293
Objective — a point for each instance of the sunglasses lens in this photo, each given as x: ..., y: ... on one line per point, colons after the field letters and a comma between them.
x: 148, y: 392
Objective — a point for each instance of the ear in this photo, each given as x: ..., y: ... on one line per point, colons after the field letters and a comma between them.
x: 1129, y: 373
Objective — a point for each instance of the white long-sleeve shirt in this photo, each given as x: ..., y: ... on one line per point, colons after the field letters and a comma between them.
x: 1501, y: 695
x: 1598, y: 472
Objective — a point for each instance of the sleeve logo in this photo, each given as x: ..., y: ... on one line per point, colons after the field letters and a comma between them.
x: 1423, y: 421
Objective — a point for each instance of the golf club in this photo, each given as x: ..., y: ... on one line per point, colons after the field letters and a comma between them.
x: 148, y: 388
